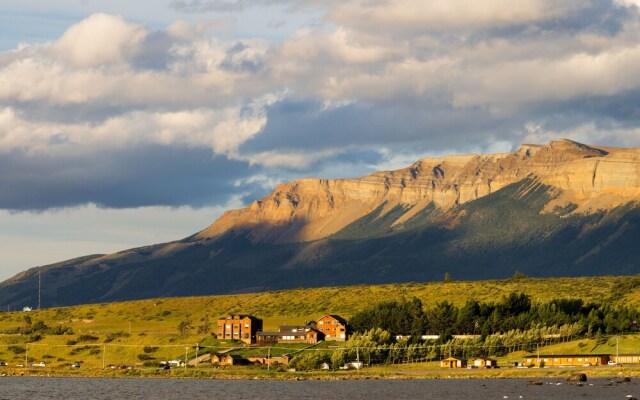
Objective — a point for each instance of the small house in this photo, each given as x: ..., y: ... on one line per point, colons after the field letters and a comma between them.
x: 228, y: 359
x: 277, y: 360
x: 481, y: 362
x: 453, y: 362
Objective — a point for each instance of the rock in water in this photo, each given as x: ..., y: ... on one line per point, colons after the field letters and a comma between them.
x: 577, y: 378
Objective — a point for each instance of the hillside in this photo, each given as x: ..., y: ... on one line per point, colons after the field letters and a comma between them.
x: 560, y: 209
x: 127, y: 328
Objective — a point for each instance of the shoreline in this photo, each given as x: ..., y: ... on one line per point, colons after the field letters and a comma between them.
x: 373, y: 373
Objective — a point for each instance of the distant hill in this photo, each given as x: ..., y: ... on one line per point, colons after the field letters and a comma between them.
x: 560, y: 209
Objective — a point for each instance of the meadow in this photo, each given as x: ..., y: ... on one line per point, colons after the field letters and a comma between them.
x: 145, y: 332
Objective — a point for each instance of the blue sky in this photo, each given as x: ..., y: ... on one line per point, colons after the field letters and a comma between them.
x: 129, y: 123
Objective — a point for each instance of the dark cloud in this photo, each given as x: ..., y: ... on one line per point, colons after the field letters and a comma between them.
x: 308, y: 126
x: 148, y: 176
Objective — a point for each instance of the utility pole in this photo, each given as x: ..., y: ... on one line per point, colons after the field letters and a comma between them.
x: 104, y: 355
x: 268, y: 358
x: 197, y: 348
x: 186, y: 349
x: 26, y: 356
x: 39, y: 270
x: 617, y: 351
x: 538, y: 352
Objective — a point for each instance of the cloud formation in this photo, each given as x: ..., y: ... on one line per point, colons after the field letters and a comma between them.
x: 118, y: 114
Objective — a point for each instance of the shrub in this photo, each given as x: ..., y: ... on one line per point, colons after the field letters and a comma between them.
x: 115, y: 335
x: 17, y: 349
x: 87, y: 338
x: 150, y: 349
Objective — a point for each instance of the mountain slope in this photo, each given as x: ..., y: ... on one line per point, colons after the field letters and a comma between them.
x: 562, y: 209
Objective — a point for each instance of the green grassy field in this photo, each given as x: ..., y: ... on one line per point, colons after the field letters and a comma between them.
x: 146, y: 331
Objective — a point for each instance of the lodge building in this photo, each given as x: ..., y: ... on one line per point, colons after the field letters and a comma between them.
x: 239, y: 327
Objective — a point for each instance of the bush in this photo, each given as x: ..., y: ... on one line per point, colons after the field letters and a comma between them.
x: 87, y: 338
x: 149, y: 349
x: 145, y: 357
x: 17, y: 349
x: 115, y: 335
x: 310, y: 360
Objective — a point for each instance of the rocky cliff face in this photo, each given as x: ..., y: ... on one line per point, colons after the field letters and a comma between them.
x: 560, y: 209
x: 589, y: 178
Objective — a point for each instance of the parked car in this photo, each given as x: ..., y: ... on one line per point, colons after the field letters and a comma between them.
x: 40, y: 364
x: 612, y: 363
x: 3, y: 364
x: 19, y: 365
x: 75, y: 365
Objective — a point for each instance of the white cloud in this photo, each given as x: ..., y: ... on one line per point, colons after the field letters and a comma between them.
x: 99, y: 40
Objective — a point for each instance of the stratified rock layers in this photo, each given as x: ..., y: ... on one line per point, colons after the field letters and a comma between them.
x: 589, y: 177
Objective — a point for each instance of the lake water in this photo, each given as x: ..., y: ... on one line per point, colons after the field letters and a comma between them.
x: 170, y: 389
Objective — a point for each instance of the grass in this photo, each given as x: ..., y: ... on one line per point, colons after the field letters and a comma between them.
x: 119, y: 333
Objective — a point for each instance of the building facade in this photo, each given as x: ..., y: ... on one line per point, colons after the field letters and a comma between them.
x: 291, y: 334
x: 626, y: 359
x: 239, y: 327
x: 481, y: 362
x: 549, y: 360
x: 453, y: 362
x: 333, y: 327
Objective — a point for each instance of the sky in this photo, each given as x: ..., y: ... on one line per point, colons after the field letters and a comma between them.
x: 127, y: 123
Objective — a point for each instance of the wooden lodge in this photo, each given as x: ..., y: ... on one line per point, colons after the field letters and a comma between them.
x: 562, y: 360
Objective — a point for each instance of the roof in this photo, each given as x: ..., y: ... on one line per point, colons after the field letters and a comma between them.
x: 292, y: 327
x: 336, y: 317
x: 235, y: 356
x: 239, y: 316
x: 452, y: 359
x: 566, y: 355
x: 301, y: 333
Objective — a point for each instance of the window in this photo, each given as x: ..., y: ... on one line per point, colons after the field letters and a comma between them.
x: 246, y: 325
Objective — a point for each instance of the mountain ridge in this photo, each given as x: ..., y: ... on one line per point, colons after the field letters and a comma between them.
x: 563, y: 208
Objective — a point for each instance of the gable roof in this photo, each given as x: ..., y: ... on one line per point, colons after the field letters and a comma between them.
x: 336, y: 317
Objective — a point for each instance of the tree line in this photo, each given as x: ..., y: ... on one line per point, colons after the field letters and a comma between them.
x: 515, y: 312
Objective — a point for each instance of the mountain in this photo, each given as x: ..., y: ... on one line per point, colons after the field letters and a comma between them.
x: 559, y: 209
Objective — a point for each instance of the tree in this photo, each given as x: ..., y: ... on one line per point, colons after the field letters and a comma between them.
x: 184, y: 327
x: 26, y: 325
x: 206, y: 326
x: 441, y: 318
x: 467, y: 321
